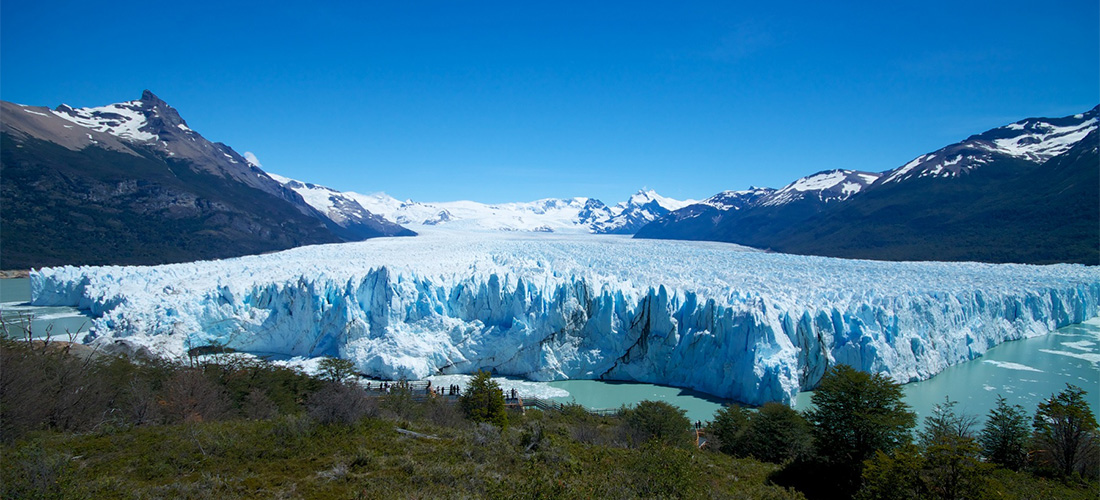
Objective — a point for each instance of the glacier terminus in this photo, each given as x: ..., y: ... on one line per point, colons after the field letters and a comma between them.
x: 740, y: 324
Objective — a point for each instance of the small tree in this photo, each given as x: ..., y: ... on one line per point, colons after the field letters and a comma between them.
x: 336, y: 369
x: 1004, y: 438
x: 1065, y: 433
x: 855, y: 414
x: 483, y: 401
x: 952, y: 468
x: 658, y: 421
x: 896, y: 476
x: 729, y: 425
x: 776, y: 433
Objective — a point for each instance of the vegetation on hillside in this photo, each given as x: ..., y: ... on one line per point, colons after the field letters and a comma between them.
x: 79, y: 426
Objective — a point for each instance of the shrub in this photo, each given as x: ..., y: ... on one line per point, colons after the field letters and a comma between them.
x: 662, y: 471
x: 776, y: 433
x: 190, y: 397
x: 338, y: 403
x: 658, y: 421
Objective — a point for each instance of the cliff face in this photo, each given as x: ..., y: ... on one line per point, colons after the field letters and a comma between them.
x: 749, y: 326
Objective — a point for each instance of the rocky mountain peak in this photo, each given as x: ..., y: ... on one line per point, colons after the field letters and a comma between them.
x: 148, y: 97
x: 160, y: 116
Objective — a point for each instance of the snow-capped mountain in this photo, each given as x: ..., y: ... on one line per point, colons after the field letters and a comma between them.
x: 757, y: 212
x: 825, y: 187
x: 344, y: 211
x: 149, y: 124
x: 738, y: 200
x: 629, y: 216
x: 1034, y: 140
x: 1024, y: 192
x: 132, y: 183
x: 573, y: 215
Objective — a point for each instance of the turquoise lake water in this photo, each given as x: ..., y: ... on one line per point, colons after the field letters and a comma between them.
x: 21, y: 318
x: 1024, y: 371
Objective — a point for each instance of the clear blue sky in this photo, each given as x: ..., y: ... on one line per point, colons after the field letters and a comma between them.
x: 516, y: 101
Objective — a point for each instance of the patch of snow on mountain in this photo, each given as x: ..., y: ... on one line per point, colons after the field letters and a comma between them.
x: 850, y: 188
x: 1043, y: 140
x: 123, y: 120
x: 868, y: 178
x: 817, y: 182
x: 749, y: 326
x: 900, y: 173
x: 831, y: 185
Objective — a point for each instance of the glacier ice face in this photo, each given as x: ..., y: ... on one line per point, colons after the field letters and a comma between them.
x: 722, y: 319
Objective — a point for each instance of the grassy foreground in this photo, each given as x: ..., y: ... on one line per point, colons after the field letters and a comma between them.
x: 292, y: 456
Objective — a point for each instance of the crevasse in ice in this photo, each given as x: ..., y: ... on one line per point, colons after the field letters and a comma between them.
x: 744, y: 325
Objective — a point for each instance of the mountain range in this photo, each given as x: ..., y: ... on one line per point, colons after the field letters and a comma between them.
x: 1027, y: 192
x: 573, y: 215
x: 131, y: 183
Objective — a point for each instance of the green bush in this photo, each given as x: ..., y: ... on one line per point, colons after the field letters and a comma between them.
x: 658, y: 421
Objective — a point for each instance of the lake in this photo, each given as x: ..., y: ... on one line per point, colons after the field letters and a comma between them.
x: 1024, y: 372
x: 57, y: 322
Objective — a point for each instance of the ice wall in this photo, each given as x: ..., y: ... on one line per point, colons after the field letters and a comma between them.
x: 752, y: 327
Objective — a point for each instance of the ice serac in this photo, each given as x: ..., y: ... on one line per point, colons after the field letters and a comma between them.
x: 749, y: 326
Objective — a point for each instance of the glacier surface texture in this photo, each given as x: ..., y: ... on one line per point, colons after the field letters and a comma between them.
x: 739, y: 324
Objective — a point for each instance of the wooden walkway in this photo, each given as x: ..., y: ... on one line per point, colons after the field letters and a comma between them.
x: 551, y: 405
x: 421, y: 390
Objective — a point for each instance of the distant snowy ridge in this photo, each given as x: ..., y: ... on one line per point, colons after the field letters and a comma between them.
x: 573, y: 215
x: 750, y: 326
x: 1034, y: 139
x: 827, y: 186
x: 1024, y: 192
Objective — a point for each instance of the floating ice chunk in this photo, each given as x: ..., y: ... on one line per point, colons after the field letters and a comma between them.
x: 1091, y: 357
x: 1011, y: 366
x: 1081, y: 345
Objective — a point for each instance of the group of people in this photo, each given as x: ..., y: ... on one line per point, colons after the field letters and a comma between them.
x: 382, y: 387
x: 451, y: 390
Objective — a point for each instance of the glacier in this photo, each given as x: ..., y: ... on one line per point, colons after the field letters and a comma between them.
x: 740, y: 324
